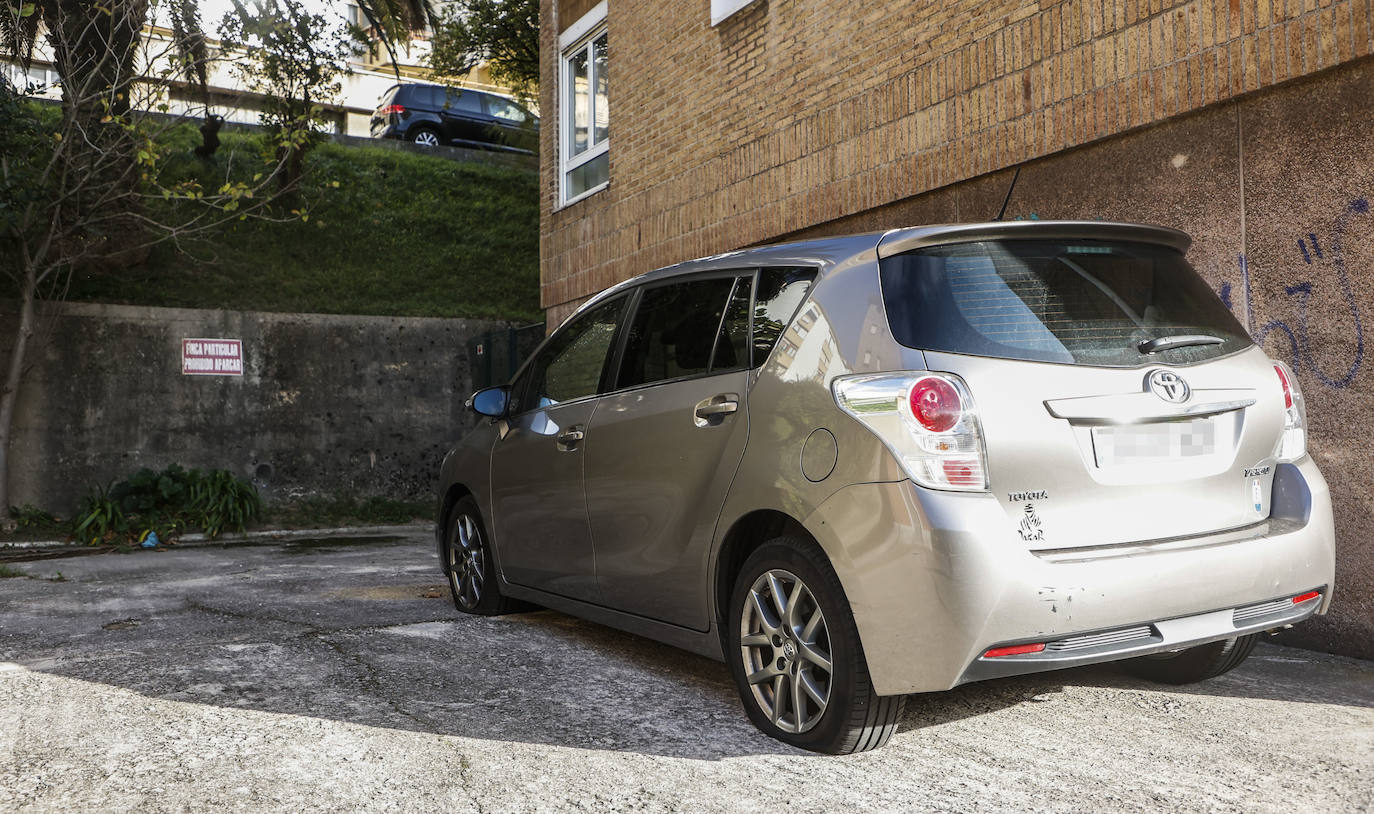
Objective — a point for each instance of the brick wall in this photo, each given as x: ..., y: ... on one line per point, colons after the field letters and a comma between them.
x: 791, y: 114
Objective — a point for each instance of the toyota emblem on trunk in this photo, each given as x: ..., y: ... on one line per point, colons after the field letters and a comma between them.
x: 1169, y: 386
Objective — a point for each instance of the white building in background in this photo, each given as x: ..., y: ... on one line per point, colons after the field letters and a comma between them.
x: 368, y: 77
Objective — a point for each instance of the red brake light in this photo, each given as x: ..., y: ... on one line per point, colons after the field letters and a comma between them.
x: 388, y: 109
x: 1287, y: 391
x: 935, y: 404
x: 1301, y: 598
x: 1013, y: 650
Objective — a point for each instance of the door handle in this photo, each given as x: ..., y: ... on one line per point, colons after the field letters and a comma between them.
x: 712, y: 412
x: 568, y: 439
x: 719, y: 408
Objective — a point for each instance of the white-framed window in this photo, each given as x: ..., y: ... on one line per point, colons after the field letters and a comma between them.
x: 584, y: 112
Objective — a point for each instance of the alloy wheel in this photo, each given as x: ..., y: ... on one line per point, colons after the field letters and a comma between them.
x: 785, y: 645
x: 426, y: 138
x: 466, y: 561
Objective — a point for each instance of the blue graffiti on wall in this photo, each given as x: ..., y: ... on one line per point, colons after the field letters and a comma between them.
x: 1298, y: 341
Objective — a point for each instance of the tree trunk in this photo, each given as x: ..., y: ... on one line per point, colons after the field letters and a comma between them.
x: 9, y: 393
x: 95, y: 46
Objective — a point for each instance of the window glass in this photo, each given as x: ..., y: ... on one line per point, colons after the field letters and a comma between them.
x: 505, y: 110
x: 430, y: 96
x: 732, y: 346
x: 590, y: 175
x: 674, y: 331
x: 581, y: 102
x: 601, y: 103
x: 464, y: 101
x: 570, y: 366
x: 780, y: 293
x: 1087, y: 302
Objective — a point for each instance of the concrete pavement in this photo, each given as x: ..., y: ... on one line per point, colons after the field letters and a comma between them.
x: 336, y: 675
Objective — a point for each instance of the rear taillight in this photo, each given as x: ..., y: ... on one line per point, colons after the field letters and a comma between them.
x: 1287, y: 389
x: 935, y: 404
x: 927, y: 420
x: 387, y: 110
x: 1293, y: 442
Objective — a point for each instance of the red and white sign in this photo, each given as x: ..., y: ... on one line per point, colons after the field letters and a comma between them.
x: 212, y: 357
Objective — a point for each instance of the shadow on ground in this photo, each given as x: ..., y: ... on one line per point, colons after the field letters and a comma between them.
x: 363, y: 631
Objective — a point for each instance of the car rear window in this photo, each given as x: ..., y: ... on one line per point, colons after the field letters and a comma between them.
x: 1068, y: 301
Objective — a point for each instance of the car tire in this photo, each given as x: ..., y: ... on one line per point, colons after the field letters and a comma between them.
x: 469, y: 566
x: 424, y: 136
x: 1193, y: 664
x: 788, y: 619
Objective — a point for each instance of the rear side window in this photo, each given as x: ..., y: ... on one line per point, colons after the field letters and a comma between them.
x: 465, y: 101
x: 427, y: 96
x: 1066, y: 301
x: 570, y: 366
x: 732, y: 346
x: 673, y: 332
x: 780, y: 294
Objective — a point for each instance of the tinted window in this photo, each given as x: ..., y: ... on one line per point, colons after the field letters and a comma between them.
x: 427, y: 96
x: 465, y: 101
x: 674, y: 331
x: 1075, y: 301
x: 570, y: 366
x: 732, y: 346
x: 780, y: 293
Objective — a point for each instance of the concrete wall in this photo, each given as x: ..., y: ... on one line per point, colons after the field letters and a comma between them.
x: 1276, y: 191
x: 327, y: 404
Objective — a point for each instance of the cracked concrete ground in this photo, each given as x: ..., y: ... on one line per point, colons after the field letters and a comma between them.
x: 336, y: 675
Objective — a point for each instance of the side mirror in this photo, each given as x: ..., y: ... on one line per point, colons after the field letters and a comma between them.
x: 491, y: 401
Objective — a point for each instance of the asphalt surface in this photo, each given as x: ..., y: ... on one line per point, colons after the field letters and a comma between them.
x: 336, y: 675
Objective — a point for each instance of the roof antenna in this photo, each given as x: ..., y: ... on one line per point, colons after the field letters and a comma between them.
x: 1007, y: 199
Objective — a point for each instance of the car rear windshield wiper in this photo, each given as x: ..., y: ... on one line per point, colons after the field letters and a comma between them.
x: 1160, y: 343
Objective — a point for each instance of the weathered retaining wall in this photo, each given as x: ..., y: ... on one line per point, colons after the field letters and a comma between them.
x: 327, y: 404
x: 1275, y: 189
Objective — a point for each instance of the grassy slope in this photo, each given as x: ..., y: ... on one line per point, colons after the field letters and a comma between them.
x: 401, y: 234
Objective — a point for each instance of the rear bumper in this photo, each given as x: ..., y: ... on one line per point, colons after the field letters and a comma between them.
x: 1141, y: 640
x: 935, y: 579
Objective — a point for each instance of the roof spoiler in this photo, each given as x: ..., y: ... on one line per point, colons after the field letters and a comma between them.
x: 900, y: 241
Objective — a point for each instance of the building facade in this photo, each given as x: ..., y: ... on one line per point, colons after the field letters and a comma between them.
x: 673, y: 131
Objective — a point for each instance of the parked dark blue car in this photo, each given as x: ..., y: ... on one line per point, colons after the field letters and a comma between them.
x: 431, y: 115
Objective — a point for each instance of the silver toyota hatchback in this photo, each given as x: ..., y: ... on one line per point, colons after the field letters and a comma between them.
x: 861, y: 467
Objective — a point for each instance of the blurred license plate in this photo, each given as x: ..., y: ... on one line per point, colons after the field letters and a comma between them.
x: 1144, y: 443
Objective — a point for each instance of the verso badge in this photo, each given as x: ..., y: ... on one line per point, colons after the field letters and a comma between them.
x: 1169, y: 386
